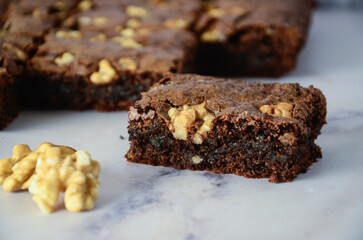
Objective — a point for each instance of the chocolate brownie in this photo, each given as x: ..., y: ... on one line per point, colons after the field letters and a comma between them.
x: 256, y: 130
x: 8, y: 101
x: 33, y: 18
x: 23, y: 30
x: 103, y: 57
x: 257, y: 38
x: 105, y: 71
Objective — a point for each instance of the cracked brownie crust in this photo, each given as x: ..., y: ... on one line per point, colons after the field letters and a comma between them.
x: 241, y: 140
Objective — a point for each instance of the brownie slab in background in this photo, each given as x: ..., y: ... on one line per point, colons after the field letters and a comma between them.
x: 25, y: 24
x: 255, y: 130
x: 96, y: 54
x: 107, y: 56
x: 255, y: 38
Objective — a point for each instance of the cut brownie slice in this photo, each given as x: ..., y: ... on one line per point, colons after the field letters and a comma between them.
x: 255, y: 130
x: 258, y: 38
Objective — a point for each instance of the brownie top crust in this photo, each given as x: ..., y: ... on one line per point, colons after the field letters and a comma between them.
x: 233, y: 100
x: 148, y: 13
x: 132, y: 36
x: 158, y: 50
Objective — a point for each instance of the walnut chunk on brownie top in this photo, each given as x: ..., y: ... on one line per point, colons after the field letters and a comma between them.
x: 168, y: 126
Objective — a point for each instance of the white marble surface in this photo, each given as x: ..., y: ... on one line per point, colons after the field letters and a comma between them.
x: 145, y: 202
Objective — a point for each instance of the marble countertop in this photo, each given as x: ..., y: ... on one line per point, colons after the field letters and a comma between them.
x: 145, y: 202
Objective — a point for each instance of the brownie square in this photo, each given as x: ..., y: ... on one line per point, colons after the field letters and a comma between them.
x: 105, y: 73
x: 256, y: 38
x: 137, y: 41
x: 255, y: 130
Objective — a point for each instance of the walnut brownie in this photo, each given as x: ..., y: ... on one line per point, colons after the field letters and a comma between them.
x: 256, y: 130
x: 104, y: 56
x: 33, y: 18
x: 105, y: 71
x: 22, y: 31
x: 258, y: 38
x: 26, y: 23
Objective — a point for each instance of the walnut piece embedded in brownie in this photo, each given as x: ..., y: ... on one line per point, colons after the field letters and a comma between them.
x: 256, y: 130
x: 252, y: 37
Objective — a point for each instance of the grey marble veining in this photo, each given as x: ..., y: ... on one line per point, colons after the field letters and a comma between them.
x: 146, y: 202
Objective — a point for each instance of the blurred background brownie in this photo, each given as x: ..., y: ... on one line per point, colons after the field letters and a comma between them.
x: 98, y: 54
x: 105, y: 72
x: 254, y: 38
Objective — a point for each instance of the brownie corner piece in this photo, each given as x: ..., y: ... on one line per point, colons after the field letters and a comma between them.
x: 255, y: 130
